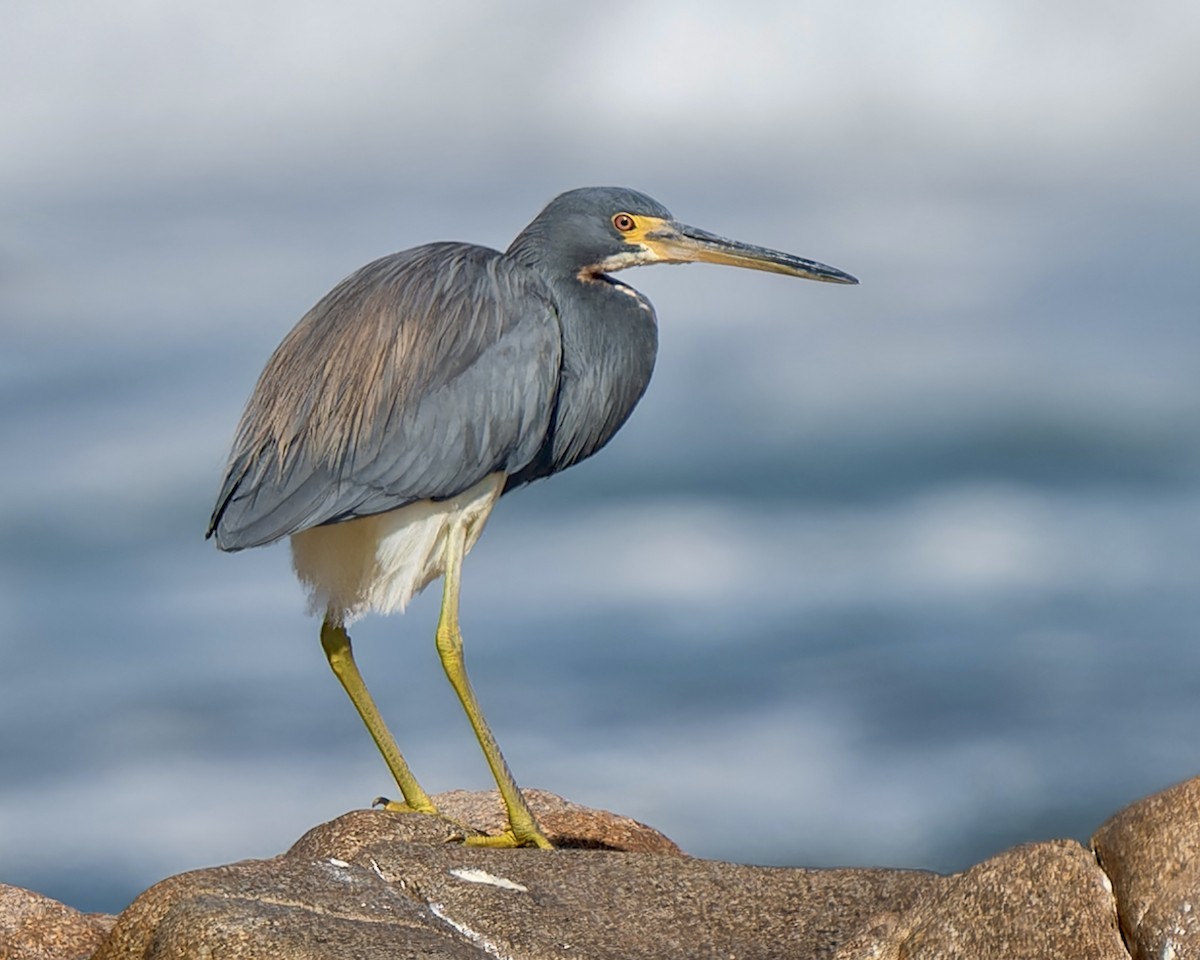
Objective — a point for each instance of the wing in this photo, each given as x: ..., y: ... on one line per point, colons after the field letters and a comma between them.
x: 414, y: 378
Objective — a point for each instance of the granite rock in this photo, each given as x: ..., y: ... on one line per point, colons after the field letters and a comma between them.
x: 33, y: 927
x: 377, y: 884
x: 374, y: 884
x: 1151, y: 852
x: 1041, y: 901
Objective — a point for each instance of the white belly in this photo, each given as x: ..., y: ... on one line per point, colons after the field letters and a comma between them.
x: 379, y: 563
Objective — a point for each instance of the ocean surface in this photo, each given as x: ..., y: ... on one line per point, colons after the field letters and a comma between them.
x: 900, y: 574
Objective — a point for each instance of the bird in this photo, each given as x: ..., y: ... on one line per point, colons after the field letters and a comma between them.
x: 426, y: 385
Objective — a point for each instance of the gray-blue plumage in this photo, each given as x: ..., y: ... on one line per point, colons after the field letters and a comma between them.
x: 427, y: 370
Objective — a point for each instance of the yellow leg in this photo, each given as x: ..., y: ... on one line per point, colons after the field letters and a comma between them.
x: 336, y: 642
x: 522, y: 828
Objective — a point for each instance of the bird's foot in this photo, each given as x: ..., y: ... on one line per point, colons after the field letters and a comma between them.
x: 462, y: 833
x: 525, y: 836
x: 510, y: 839
x: 400, y: 806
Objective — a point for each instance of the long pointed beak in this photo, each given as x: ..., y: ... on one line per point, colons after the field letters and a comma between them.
x: 678, y: 243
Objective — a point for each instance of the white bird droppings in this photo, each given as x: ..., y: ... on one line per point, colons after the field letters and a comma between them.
x: 439, y: 911
x: 472, y: 875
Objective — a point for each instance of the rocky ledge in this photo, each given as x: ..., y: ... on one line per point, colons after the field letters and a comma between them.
x: 372, y: 884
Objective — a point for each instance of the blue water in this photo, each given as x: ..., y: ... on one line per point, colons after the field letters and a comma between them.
x: 901, y: 574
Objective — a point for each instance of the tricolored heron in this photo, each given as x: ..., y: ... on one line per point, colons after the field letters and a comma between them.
x: 429, y: 383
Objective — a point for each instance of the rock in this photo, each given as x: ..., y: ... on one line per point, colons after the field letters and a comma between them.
x: 379, y: 884
x: 33, y: 927
x: 1151, y: 851
x: 376, y: 884
x: 1048, y: 901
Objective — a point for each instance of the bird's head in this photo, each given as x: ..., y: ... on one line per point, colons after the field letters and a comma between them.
x: 596, y: 230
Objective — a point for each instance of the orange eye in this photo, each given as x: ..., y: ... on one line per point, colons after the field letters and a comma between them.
x: 623, y: 222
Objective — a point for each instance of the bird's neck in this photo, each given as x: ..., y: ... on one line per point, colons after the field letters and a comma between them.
x: 607, y: 325
x: 609, y: 344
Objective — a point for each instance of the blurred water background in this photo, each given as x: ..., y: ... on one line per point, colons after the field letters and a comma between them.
x: 900, y: 574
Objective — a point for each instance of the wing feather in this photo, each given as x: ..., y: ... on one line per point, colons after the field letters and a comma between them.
x: 414, y: 378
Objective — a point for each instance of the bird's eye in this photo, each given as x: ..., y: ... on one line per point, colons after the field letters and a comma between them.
x: 623, y: 222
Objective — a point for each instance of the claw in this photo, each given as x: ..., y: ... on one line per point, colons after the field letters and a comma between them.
x: 399, y: 806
